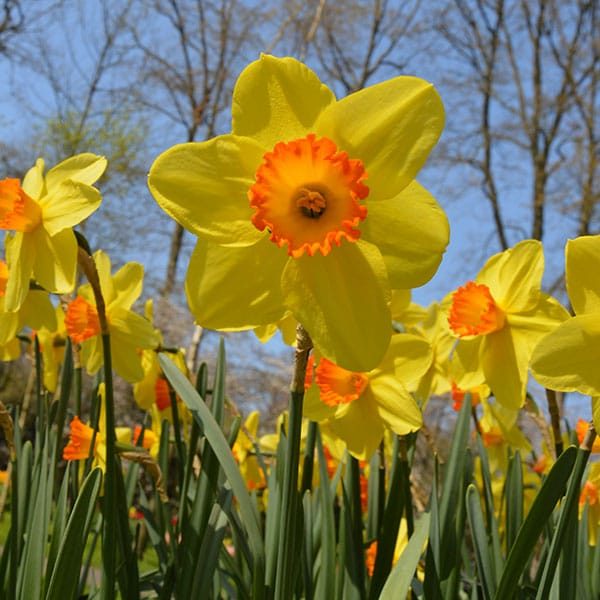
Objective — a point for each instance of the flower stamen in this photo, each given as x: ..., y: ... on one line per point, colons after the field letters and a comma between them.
x: 81, y: 320
x: 474, y: 311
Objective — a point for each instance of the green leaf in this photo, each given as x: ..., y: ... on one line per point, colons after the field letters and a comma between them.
x: 514, y: 498
x: 65, y: 575
x: 480, y: 542
x: 400, y: 579
x: 216, y: 439
x: 540, y: 512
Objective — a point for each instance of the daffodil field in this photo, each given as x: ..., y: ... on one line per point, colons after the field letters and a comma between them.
x: 310, y: 224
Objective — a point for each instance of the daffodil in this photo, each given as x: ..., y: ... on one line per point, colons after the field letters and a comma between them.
x: 404, y: 311
x: 567, y: 359
x: 151, y: 439
x: 309, y: 206
x: 590, y: 496
x: 129, y: 332
x: 499, y: 318
x: 81, y: 437
x: 359, y: 406
x: 41, y: 211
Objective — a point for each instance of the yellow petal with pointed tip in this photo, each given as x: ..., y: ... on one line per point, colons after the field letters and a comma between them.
x: 341, y: 301
x: 37, y: 311
x: 55, y: 260
x: 67, y: 205
x: 466, y: 364
x: 127, y: 285
x: 504, y: 362
x: 103, y: 266
x: 583, y: 265
x: 91, y: 354
x: 408, y: 356
x: 20, y: 256
x: 33, y: 182
x: 395, y: 406
x: 235, y: 288
x: 9, y: 326
x: 85, y: 168
x: 137, y: 330
x: 277, y: 99
x: 411, y: 232
x: 359, y: 426
x: 567, y: 359
x: 204, y: 187
x: 515, y: 276
x: 391, y: 127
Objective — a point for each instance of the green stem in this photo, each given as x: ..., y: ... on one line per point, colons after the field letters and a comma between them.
x: 309, y: 458
x: 555, y: 421
x: 288, y: 524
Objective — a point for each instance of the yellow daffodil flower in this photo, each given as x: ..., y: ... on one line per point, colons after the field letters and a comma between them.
x: 499, y: 318
x: 404, y: 311
x: 151, y: 439
x: 280, y: 203
x: 590, y: 495
x: 567, y: 359
x: 358, y: 406
x: 42, y: 212
x: 81, y: 436
x: 52, y: 345
x: 129, y: 332
x: 35, y: 312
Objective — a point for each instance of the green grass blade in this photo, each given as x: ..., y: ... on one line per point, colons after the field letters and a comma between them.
x: 514, y: 499
x: 59, y: 523
x: 216, y: 439
x: 65, y: 575
x: 480, y: 542
x: 399, y: 581
x: 540, y: 512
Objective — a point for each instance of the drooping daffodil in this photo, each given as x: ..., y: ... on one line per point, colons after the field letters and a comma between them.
x: 499, y: 318
x: 52, y: 345
x: 41, y: 211
x: 309, y: 206
x: 359, y: 406
x: 568, y: 358
x: 129, y: 332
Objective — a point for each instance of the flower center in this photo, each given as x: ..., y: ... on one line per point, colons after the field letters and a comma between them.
x: 307, y: 195
x: 338, y: 386
x: 81, y: 320
x: 161, y: 391
x: 80, y: 440
x: 474, y: 311
x: 18, y: 212
x: 3, y: 277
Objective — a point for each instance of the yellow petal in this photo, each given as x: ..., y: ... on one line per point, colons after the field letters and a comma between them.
x: 277, y: 99
x: 37, y: 311
x: 204, y: 187
x: 125, y: 358
x: 132, y: 327
x: 91, y: 354
x: 20, y: 257
x: 515, y: 277
x: 67, y: 205
x: 505, y: 362
x: 596, y: 412
x: 9, y: 326
x: 360, y: 426
x: 411, y: 232
x: 235, y: 288
x: 127, y: 285
x: 341, y: 299
x: 33, y: 182
x: 10, y: 351
x: 583, y: 263
x: 567, y: 359
x: 395, y: 405
x: 408, y: 356
x: 55, y: 260
x: 84, y: 168
x: 399, y: 303
x: 466, y: 367
x: 103, y: 266
x: 391, y: 127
